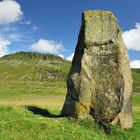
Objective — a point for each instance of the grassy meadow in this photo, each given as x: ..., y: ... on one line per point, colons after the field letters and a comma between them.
x: 30, y: 104
x: 39, y: 121
x: 32, y: 113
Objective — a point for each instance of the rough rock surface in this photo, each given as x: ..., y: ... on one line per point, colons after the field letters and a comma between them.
x: 99, y: 84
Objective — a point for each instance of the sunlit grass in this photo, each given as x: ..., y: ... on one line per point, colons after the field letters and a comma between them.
x: 18, y: 123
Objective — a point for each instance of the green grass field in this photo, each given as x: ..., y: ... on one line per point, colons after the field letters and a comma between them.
x: 30, y: 89
x: 30, y: 103
x: 31, y: 116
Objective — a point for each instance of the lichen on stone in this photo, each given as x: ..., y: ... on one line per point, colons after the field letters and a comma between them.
x: 99, y: 84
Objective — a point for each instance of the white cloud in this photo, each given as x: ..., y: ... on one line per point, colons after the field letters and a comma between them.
x: 10, y: 11
x: 135, y: 64
x: 61, y: 55
x: 70, y: 57
x: 4, y: 46
x: 47, y: 46
x: 132, y: 38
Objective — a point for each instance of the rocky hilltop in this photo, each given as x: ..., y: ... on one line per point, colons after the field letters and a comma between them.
x: 33, y: 66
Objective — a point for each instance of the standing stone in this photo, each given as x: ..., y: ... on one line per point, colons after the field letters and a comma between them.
x: 99, y: 84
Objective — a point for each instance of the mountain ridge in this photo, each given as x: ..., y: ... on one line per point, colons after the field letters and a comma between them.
x: 31, y: 55
x: 33, y: 66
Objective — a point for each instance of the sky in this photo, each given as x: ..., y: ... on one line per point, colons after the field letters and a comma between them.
x: 52, y: 26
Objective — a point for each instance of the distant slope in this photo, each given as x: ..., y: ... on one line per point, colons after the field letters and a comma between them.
x: 33, y: 66
x: 136, y: 80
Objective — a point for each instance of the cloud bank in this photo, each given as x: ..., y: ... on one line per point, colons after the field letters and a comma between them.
x: 48, y: 46
x: 70, y: 57
x: 61, y: 55
x: 4, y: 46
x: 132, y: 38
x: 135, y: 64
x: 10, y: 11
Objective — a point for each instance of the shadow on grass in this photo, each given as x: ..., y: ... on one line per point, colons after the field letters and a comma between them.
x: 109, y: 130
x: 43, y: 112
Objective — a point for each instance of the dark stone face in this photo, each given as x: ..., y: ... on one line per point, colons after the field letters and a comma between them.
x: 109, y: 83
x: 99, y: 82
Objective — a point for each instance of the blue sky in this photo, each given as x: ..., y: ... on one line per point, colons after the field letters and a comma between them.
x: 52, y: 26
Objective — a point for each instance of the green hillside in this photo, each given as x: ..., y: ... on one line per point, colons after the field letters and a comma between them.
x: 32, y: 93
x: 32, y: 75
x: 136, y: 80
x: 33, y: 66
x: 37, y: 67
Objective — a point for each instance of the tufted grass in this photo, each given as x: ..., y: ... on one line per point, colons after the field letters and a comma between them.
x: 28, y: 122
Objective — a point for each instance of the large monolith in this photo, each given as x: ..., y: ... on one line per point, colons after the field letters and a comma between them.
x: 99, y: 84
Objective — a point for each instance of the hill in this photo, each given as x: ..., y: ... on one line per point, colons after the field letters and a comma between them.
x: 136, y: 80
x: 32, y: 93
x: 33, y: 66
